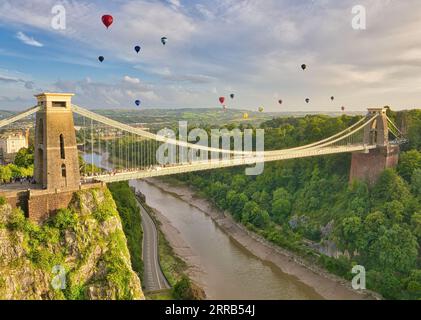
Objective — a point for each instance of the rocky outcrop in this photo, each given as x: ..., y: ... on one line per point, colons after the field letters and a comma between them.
x: 81, y: 253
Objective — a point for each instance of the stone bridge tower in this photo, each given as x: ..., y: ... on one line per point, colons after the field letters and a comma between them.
x: 56, y: 163
x: 369, y: 166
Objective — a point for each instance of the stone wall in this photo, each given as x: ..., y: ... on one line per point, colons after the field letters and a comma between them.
x: 39, y: 205
x: 369, y: 166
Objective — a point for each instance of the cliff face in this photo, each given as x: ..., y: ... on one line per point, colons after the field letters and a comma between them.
x: 81, y: 253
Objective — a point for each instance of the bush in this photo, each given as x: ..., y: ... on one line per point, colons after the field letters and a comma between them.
x: 64, y: 219
x: 17, y: 220
x: 183, y: 290
x: 2, y: 201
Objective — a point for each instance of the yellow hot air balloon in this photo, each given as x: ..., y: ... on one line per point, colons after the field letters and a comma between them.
x: 261, y: 109
x: 245, y: 115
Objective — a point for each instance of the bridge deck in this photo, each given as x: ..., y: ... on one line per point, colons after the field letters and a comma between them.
x: 207, y: 165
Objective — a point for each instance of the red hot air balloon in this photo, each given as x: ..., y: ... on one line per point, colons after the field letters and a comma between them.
x: 107, y: 20
x: 221, y: 100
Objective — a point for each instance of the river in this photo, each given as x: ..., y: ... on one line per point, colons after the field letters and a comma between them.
x: 230, y: 271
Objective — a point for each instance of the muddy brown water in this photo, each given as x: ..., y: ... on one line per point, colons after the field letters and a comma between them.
x: 230, y: 271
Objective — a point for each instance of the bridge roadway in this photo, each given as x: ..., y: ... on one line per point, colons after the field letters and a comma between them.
x: 153, y: 277
x: 240, y: 161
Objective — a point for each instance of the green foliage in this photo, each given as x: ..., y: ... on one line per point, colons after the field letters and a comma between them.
x: 341, y: 266
x: 17, y: 221
x: 2, y: 201
x: 172, y: 266
x: 183, y: 289
x: 416, y: 183
x: 132, y: 225
x: 65, y: 219
x: 75, y: 292
x: 5, y: 174
x: 413, y: 284
x: 24, y: 158
x: 105, y: 207
x: 117, y: 271
x: 409, y: 162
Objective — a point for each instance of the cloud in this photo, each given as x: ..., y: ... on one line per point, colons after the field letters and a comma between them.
x: 27, y: 84
x: 175, y: 3
x: 99, y: 94
x: 131, y: 80
x: 253, y: 47
x: 28, y: 40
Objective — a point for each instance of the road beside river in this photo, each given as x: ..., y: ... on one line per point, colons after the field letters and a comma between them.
x: 153, y: 276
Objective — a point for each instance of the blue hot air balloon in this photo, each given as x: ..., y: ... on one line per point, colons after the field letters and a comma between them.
x: 137, y: 49
x: 137, y: 102
x: 164, y: 40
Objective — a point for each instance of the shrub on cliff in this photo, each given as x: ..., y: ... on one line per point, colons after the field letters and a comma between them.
x: 185, y: 289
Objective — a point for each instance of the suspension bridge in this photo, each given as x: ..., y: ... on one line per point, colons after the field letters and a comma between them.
x: 373, y: 141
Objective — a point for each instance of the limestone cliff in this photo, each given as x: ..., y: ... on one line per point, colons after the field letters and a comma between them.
x: 81, y: 253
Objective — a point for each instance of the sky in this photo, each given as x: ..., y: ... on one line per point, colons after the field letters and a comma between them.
x: 252, y: 48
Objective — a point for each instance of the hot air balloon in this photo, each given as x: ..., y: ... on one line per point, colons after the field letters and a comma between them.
x: 101, y: 58
x: 280, y: 101
x: 343, y: 108
x: 137, y: 102
x: 232, y: 96
x: 261, y: 109
x: 245, y: 115
x: 164, y: 40
x: 332, y: 98
x: 107, y: 20
x: 221, y: 100
x: 307, y: 100
x: 137, y: 49
x: 303, y: 66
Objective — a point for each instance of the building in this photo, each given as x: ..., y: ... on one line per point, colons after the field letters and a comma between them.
x: 11, y: 143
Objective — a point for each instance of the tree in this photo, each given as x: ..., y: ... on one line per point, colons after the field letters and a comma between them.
x: 413, y: 284
x: 416, y: 182
x: 5, y: 174
x: 394, y: 210
x: 236, y: 203
x: 24, y: 158
x: 390, y: 187
x: 281, y: 205
x: 349, y: 234
x: 281, y: 210
x: 416, y: 225
x: 238, y: 182
x: 394, y: 250
x: 357, y: 198
x: 408, y: 162
x: 182, y: 289
x: 255, y: 215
